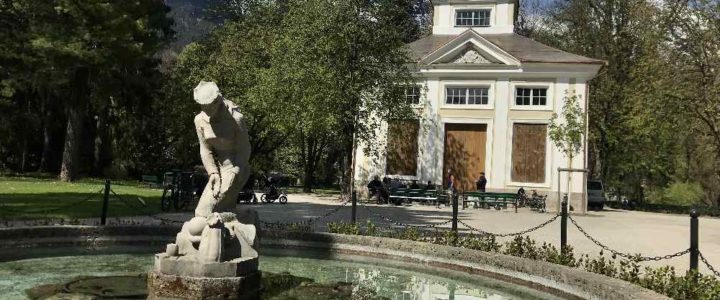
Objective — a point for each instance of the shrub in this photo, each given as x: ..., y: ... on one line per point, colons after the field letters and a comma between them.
x: 678, y: 193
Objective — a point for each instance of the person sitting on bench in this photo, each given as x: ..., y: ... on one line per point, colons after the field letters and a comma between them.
x: 377, y: 190
x: 481, y: 183
x: 414, y: 185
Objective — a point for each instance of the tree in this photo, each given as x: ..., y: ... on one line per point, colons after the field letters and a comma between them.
x: 233, y: 56
x: 339, y: 64
x: 73, y: 49
x: 693, y: 29
x: 567, y: 130
x: 624, y: 33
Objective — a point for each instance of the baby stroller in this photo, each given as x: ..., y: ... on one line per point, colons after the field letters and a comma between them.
x: 273, y: 193
x: 247, y: 194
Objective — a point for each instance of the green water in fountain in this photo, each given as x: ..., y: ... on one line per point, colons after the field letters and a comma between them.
x: 388, y: 279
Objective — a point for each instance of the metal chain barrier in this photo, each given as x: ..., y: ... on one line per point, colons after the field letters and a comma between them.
x: 708, y: 265
x: 386, y: 219
x: 526, y: 231
x: 636, y: 257
x: 54, y: 209
x: 143, y: 213
x: 307, y: 222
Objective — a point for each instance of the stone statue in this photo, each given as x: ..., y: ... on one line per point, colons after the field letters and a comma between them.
x: 215, y: 243
x: 224, y: 149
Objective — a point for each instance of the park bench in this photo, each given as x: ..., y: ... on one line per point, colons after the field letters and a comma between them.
x: 431, y: 196
x: 151, y: 180
x: 488, y: 200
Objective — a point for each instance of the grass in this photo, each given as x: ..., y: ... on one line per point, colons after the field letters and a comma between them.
x: 34, y: 198
x: 41, y: 197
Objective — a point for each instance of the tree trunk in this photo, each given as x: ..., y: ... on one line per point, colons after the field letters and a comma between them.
x: 71, y: 154
x: 47, y: 153
x: 73, y: 132
x: 348, y: 168
x: 100, y: 143
x: 308, y: 160
x: 23, y: 157
x: 308, y: 178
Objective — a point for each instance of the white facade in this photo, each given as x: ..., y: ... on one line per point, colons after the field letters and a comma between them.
x: 499, y: 62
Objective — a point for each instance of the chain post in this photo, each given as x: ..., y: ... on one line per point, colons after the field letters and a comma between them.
x: 454, y: 200
x: 694, y: 241
x: 353, y: 216
x: 563, y: 224
x: 106, y: 198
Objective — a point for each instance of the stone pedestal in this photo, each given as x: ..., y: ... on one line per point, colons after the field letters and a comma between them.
x: 171, y: 287
x: 213, y: 257
x: 180, y: 277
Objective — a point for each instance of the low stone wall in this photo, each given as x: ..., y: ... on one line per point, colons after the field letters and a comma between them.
x: 562, y: 281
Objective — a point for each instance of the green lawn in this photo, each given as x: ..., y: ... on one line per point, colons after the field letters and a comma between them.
x: 32, y: 198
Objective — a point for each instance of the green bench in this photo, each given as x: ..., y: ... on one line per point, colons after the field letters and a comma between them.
x: 420, y: 195
x: 488, y: 200
x: 151, y: 180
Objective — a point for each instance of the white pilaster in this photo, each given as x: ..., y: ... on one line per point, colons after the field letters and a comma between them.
x: 499, y: 163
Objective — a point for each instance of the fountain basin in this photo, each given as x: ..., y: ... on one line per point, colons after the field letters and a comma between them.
x: 546, y: 278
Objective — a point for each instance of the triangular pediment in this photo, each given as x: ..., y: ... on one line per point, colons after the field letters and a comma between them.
x: 469, y: 49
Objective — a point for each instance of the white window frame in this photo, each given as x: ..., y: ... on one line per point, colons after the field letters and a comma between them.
x: 550, y: 95
x: 486, y: 84
x: 489, y: 7
x: 472, y: 10
x: 548, y: 155
x: 419, y: 93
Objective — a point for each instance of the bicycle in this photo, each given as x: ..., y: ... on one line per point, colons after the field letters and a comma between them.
x: 180, y: 189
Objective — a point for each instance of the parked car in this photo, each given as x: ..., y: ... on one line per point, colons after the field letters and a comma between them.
x: 596, y: 195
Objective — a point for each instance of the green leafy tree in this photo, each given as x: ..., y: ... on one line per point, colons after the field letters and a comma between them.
x: 338, y: 66
x: 233, y: 56
x: 568, y: 129
x: 624, y: 33
x: 694, y: 85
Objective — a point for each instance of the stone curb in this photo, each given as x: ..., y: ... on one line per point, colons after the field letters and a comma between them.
x: 560, y: 280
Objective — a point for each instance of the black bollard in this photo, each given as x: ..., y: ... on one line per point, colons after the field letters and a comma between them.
x: 563, y: 225
x: 353, y: 216
x: 454, y: 200
x: 106, y: 198
x: 694, y: 242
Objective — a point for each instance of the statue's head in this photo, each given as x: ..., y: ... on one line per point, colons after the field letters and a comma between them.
x: 208, y: 95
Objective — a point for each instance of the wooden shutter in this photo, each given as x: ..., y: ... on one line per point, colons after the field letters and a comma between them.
x: 402, y: 147
x: 528, y: 153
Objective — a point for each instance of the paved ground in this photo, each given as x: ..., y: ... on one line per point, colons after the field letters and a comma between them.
x: 650, y: 234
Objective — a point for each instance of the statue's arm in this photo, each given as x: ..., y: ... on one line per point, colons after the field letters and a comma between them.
x: 206, y: 154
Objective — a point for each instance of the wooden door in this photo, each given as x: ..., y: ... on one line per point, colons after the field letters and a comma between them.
x: 464, y: 154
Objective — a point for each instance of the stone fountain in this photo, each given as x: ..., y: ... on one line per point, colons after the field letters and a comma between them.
x: 214, y: 254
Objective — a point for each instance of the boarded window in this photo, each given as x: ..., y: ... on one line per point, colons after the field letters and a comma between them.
x: 528, y: 153
x: 402, y: 147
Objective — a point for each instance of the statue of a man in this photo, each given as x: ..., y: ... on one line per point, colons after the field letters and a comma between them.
x: 224, y: 149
